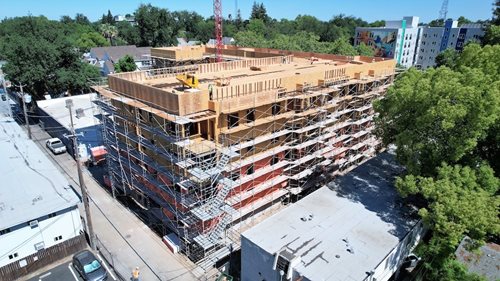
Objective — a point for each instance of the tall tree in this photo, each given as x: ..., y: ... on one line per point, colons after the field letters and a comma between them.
x: 155, y: 26
x: 39, y: 55
x: 259, y: 12
x: 109, y: 32
x: 238, y: 21
x: 66, y: 20
x: 90, y: 40
x: 81, y: 19
x: 440, y: 115
x: 109, y: 18
x: 496, y: 13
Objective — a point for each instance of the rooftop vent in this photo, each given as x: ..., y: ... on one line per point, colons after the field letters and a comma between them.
x: 307, y: 218
x: 80, y: 113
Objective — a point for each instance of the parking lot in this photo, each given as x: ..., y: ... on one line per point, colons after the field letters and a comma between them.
x: 66, y: 272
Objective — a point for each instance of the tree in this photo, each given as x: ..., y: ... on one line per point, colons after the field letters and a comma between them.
x: 341, y: 26
x: 364, y: 50
x: 377, y: 23
x: 250, y: 39
x: 238, y: 21
x: 446, y: 58
x: 90, y: 40
x: 342, y: 47
x: 109, y: 18
x: 259, y: 12
x: 39, y: 55
x: 128, y: 32
x: 156, y: 26
x: 492, y: 35
x: 440, y: 115
x: 81, y: 19
x: 436, y: 23
x: 66, y: 20
x: 125, y: 64
x: 463, y: 20
x: 461, y: 201
x: 257, y: 26
x: 108, y: 31
x: 496, y: 13
x: 309, y: 24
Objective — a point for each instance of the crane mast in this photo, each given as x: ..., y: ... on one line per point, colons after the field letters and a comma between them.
x: 444, y: 10
x: 218, y: 30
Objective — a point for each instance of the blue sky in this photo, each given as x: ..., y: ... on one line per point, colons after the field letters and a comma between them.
x: 369, y: 10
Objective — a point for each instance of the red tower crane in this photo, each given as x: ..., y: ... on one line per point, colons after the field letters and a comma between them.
x: 218, y: 30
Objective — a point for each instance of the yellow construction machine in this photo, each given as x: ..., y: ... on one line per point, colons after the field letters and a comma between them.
x: 188, y: 80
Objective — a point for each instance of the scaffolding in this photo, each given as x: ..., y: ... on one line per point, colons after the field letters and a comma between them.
x: 208, y: 174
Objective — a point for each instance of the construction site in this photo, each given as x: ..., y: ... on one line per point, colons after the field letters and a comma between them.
x: 207, y: 147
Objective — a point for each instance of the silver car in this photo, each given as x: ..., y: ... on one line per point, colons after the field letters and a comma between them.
x: 55, y: 145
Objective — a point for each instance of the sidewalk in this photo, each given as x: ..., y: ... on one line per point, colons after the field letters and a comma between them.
x: 126, y: 237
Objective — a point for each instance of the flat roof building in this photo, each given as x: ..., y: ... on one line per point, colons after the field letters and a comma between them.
x: 206, y: 146
x: 38, y: 207
x: 413, y: 45
x: 355, y: 228
x: 86, y: 120
x: 397, y: 39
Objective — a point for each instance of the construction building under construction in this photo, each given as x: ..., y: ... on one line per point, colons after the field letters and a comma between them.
x: 206, y: 146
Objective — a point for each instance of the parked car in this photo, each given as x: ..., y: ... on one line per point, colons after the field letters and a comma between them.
x: 89, y: 268
x: 56, y: 145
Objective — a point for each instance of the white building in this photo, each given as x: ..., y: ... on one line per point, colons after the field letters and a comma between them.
x: 397, y: 40
x: 86, y: 120
x: 38, y: 207
x: 434, y: 40
x: 356, y: 228
x: 413, y: 45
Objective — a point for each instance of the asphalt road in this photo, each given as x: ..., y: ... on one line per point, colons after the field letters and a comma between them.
x: 66, y: 272
x: 63, y: 272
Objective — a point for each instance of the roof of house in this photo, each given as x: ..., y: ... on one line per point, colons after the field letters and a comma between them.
x: 185, y: 42
x: 484, y: 262
x: 115, y: 53
x: 225, y: 41
x: 32, y: 186
x: 56, y: 108
x: 344, y: 229
x: 109, y: 66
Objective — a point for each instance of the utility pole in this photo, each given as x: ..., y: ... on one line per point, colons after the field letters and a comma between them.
x: 24, y: 110
x: 74, y: 137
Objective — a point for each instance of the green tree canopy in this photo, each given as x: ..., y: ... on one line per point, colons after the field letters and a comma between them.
x: 447, y: 58
x: 108, y: 31
x: 90, y: 40
x: 125, y: 64
x: 364, y: 50
x: 461, y: 201
x: 156, y: 26
x: 41, y: 54
x: 259, y: 12
x: 440, y: 115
